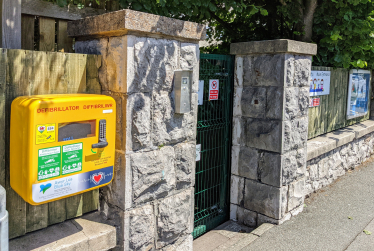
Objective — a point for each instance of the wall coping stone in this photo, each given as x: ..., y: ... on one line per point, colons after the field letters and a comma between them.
x: 89, y: 232
x: 132, y: 22
x: 328, y: 142
x: 273, y: 47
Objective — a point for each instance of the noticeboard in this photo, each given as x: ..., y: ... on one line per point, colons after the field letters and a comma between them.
x: 358, y: 93
x: 319, y: 83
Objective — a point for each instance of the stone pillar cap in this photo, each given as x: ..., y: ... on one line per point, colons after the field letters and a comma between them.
x: 273, y: 47
x: 130, y: 22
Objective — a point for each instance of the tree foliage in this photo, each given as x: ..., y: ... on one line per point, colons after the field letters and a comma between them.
x: 343, y: 29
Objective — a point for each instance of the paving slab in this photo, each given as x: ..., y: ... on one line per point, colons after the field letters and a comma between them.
x: 85, y: 233
x: 364, y: 242
x: 228, y: 236
x: 324, y: 224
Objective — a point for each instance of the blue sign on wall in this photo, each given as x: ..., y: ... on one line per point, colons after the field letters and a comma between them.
x: 358, y: 93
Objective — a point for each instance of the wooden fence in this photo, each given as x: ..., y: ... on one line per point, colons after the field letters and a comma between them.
x: 30, y: 73
x: 331, y: 114
x: 44, y: 24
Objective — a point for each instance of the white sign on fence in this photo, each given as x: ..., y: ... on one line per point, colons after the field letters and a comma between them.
x: 198, y: 151
x: 320, y: 83
x: 200, y: 93
x: 213, y: 89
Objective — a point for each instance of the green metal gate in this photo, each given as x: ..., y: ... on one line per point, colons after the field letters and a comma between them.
x: 212, y: 205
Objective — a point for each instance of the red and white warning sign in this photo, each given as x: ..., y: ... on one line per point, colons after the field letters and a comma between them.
x: 213, y: 89
x: 313, y: 102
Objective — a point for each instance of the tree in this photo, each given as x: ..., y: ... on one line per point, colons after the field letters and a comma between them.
x: 343, y: 29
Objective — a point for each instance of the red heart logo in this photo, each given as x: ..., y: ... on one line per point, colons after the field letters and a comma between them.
x: 97, y: 178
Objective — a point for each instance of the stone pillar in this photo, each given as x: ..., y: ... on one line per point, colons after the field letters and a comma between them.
x: 151, y: 197
x: 270, y: 129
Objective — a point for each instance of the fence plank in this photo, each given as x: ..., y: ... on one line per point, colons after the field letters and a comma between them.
x: 64, y: 43
x: 90, y: 201
x: 10, y: 24
x: 47, y: 9
x: 74, y: 206
x: 47, y: 28
x: 17, y: 85
x: 93, y: 64
x: 36, y: 217
x: 27, y: 31
x: 56, y: 211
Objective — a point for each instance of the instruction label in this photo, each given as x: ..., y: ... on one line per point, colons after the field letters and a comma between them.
x: 53, y: 189
x: 49, y: 162
x: 45, y: 133
x: 72, y: 158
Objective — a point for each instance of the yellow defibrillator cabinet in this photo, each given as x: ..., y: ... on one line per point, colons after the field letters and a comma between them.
x: 61, y: 145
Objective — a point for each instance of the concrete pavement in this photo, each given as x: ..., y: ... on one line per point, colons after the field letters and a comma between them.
x: 334, y: 218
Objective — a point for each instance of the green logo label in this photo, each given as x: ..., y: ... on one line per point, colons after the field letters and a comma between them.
x: 49, y: 162
x: 72, y: 158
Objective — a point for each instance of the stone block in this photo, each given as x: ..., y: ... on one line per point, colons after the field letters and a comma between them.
x: 303, y: 66
x: 293, y: 165
x: 319, y: 146
x: 247, y: 70
x: 246, y: 217
x: 113, y: 192
x: 296, y: 102
x: 261, y: 219
x: 140, y: 227
x: 95, y: 46
x: 267, y: 70
x: 237, y: 103
x: 253, y: 102
x: 121, y: 127
x: 248, y: 163
x: 238, y: 75
x: 233, y: 212
x: 363, y: 128
x: 295, y: 134
x: 167, y: 126
x: 185, y: 161
x: 189, y: 60
x: 272, y: 47
x: 237, y: 132
x: 237, y: 190
x: 295, y: 194
x: 265, y: 199
x: 174, y: 218
x: 139, y: 121
x: 115, y: 65
x: 289, y: 70
x: 182, y: 244
x: 153, y: 174
x: 262, y: 134
x: 118, y: 23
x: 155, y: 62
x: 274, y: 102
x: 235, y: 150
x: 270, y: 166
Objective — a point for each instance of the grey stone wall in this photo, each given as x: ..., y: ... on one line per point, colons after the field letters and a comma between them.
x: 151, y: 196
x: 324, y: 169
x: 270, y: 129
